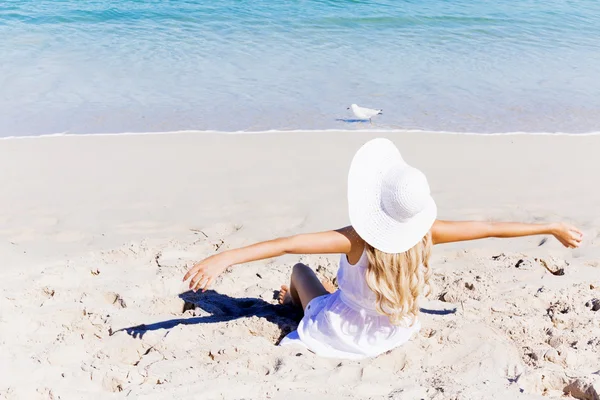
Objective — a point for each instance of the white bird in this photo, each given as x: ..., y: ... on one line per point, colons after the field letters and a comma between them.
x: 364, y: 113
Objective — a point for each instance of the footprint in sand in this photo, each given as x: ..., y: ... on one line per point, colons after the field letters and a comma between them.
x: 116, y: 299
x: 545, y: 381
x: 460, y: 290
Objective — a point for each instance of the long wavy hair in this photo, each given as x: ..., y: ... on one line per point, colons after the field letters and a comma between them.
x: 399, y: 279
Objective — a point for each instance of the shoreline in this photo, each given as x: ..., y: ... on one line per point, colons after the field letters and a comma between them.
x: 298, y: 131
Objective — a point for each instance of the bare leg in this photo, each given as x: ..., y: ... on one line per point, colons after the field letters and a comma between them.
x: 304, y: 286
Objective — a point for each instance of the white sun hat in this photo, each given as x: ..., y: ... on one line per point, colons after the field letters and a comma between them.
x: 389, y: 202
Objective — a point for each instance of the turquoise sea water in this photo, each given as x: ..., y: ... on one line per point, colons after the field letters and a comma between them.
x: 157, y: 65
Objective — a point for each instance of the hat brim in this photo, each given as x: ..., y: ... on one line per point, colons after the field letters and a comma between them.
x: 365, y: 179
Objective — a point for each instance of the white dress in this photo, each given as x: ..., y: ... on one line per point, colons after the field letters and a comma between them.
x: 346, y: 324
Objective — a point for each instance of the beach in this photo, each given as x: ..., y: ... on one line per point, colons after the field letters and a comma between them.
x: 97, y: 231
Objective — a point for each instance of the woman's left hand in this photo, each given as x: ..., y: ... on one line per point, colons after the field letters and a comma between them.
x: 205, y: 272
x: 568, y: 235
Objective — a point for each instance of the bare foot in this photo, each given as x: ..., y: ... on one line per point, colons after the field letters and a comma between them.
x: 284, y: 296
x: 328, y: 285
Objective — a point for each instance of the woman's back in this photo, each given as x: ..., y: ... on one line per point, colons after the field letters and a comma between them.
x: 346, y: 323
x: 353, y: 286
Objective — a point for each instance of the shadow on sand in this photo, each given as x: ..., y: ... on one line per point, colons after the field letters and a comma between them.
x: 225, y: 308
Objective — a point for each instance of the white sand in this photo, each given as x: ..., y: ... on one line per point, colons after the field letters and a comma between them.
x: 96, y: 233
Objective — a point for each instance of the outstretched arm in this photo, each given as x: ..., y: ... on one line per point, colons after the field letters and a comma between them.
x: 206, y: 271
x: 458, y: 231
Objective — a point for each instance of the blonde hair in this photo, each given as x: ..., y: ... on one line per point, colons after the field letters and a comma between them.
x: 399, y: 279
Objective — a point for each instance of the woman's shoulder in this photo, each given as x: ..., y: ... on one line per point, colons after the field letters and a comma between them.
x: 357, y: 246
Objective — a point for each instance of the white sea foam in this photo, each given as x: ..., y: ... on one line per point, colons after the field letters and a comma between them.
x: 299, y: 131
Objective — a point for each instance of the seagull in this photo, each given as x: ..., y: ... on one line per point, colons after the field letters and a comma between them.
x: 364, y: 113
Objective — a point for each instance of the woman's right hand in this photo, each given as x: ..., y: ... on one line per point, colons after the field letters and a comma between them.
x: 568, y: 235
x: 205, y: 272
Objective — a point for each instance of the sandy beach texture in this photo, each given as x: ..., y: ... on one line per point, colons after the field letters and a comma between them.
x: 96, y: 233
